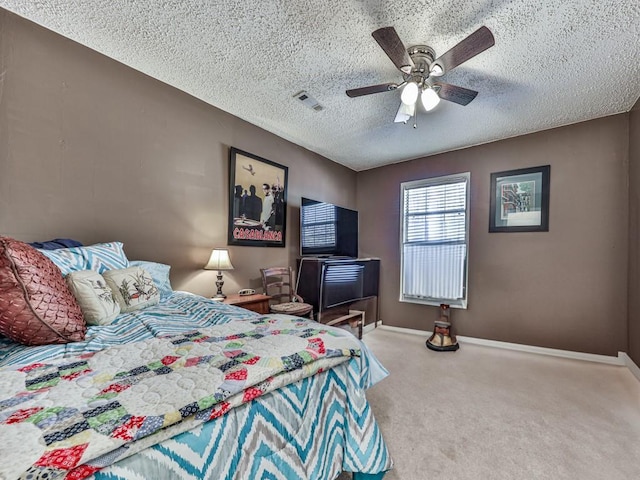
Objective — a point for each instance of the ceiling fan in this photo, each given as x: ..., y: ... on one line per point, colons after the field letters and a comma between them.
x: 419, y: 66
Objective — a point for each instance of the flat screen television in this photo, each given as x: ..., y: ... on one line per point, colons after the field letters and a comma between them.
x: 327, y: 230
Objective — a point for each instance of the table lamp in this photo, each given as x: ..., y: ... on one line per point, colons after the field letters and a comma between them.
x: 219, y: 261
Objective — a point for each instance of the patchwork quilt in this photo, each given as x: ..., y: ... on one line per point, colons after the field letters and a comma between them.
x: 71, y: 417
x: 310, y: 429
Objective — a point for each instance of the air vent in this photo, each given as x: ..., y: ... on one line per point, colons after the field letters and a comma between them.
x: 309, y: 101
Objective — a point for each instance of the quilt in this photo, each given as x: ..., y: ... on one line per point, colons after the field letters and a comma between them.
x: 71, y: 417
x: 311, y: 429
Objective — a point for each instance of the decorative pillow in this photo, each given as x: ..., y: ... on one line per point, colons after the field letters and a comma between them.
x: 133, y: 288
x: 94, y: 296
x: 160, y: 274
x: 99, y: 257
x: 56, y: 243
x: 36, y: 306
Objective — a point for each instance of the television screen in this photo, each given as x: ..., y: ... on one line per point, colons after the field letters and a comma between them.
x: 327, y: 230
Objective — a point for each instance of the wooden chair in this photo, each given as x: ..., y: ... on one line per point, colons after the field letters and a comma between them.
x: 279, y: 284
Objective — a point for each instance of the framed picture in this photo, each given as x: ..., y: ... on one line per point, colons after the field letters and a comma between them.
x: 257, y: 201
x: 520, y: 200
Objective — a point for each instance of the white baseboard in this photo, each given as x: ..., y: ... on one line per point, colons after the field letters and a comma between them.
x: 589, y: 357
x: 412, y: 331
x: 633, y: 368
x: 368, y: 328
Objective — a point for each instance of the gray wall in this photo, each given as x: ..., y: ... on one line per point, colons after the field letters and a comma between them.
x: 634, y: 234
x: 566, y: 288
x: 94, y: 150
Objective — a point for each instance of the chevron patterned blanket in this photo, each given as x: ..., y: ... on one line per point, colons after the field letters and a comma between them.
x: 72, y: 416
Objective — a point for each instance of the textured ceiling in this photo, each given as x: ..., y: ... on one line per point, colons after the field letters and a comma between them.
x: 554, y: 63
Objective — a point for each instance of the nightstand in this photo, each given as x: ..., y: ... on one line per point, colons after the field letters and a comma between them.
x: 257, y: 303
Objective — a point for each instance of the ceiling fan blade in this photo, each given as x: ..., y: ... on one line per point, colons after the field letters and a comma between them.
x: 390, y: 42
x: 453, y: 93
x: 471, y: 46
x: 383, y: 87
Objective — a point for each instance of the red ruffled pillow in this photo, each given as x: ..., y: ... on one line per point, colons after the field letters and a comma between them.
x: 36, y: 305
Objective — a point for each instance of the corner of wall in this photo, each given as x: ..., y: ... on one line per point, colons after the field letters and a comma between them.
x: 4, y: 137
x: 633, y: 303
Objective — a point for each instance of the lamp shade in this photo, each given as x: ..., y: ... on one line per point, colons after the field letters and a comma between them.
x: 436, y: 70
x: 410, y: 93
x: 219, y: 260
x: 405, y: 112
x: 430, y: 99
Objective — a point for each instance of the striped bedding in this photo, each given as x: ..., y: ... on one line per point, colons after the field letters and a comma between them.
x: 311, y: 429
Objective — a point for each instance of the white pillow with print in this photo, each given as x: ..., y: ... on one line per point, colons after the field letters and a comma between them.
x: 96, y: 300
x: 160, y: 274
x: 133, y: 288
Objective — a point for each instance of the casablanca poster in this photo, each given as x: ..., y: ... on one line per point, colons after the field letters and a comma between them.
x: 257, y: 201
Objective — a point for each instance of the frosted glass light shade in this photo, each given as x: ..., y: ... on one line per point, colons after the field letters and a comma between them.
x: 410, y: 93
x: 436, y: 70
x: 430, y: 99
x: 405, y: 112
x: 219, y: 260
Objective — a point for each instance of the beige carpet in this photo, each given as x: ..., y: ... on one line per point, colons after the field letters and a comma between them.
x: 483, y: 413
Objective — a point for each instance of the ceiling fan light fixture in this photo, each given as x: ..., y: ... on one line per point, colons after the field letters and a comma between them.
x: 405, y: 112
x: 410, y: 93
x: 436, y: 70
x: 430, y: 99
x: 418, y: 63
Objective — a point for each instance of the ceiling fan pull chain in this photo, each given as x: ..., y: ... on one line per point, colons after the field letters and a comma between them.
x: 415, y: 117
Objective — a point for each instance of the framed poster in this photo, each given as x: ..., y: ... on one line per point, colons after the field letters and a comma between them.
x: 520, y: 200
x: 257, y: 201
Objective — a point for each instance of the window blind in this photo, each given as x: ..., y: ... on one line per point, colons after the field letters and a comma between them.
x: 318, y: 227
x: 434, y: 240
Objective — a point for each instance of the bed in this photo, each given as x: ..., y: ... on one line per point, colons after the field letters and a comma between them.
x: 188, y: 388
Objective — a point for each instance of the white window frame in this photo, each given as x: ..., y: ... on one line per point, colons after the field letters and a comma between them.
x: 429, y: 182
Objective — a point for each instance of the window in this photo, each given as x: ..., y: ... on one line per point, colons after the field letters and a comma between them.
x: 434, y: 240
